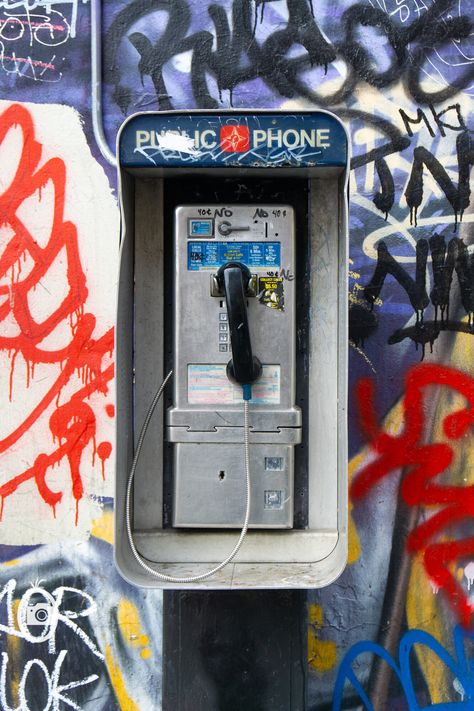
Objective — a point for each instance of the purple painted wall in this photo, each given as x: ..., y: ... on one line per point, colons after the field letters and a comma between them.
x: 400, y: 73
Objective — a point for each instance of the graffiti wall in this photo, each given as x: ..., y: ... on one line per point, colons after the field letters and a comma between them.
x: 395, y: 631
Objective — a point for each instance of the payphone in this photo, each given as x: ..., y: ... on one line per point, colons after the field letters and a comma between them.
x: 224, y: 254
x: 232, y: 349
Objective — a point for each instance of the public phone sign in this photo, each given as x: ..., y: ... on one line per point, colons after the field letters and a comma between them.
x: 201, y: 140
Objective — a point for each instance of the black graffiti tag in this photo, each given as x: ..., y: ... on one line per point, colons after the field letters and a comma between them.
x: 238, y: 57
x: 447, y: 260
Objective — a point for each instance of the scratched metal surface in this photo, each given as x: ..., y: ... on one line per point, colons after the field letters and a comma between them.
x: 401, y: 75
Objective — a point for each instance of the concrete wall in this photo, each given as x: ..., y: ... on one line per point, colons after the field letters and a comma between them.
x: 400, y: 73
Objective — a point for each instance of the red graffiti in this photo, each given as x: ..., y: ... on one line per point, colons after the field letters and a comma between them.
x: 421, y: 463
x: 104, y: 450
x: 25, y: 261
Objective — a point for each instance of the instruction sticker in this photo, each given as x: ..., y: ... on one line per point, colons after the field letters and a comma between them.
x: 212, y: 255
x: 208, y: 384
x: 271, y: 292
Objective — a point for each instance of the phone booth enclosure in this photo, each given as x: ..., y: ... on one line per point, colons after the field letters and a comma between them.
x: 267, y: 190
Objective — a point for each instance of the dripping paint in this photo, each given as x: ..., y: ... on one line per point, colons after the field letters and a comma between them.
x: 58, y: 348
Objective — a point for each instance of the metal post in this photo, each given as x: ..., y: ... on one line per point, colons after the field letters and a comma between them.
x: 228, y: 651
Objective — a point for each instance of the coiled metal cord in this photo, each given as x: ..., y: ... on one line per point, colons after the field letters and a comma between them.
x: 151, y: 571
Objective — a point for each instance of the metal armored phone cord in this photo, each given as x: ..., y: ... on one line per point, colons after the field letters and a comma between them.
x: 247, y: 394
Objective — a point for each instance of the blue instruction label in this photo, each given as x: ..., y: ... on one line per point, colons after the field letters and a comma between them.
x: 212, y: 255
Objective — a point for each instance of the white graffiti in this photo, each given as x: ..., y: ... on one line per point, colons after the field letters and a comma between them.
x: 28, y: 6
x: 28, y: 67
x: 282, y: 156
x: 49, y: 30
x: 39, y: 615
x: 58, y: 614
x: 469, y: 574
x: 28, y: 29
x: 434, y: 212
x: 459, y: 688
x: 456, y: 53
x: 55, y: 692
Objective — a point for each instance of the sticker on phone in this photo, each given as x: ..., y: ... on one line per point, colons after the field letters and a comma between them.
x: 208, y: 384
x: 271, y: 292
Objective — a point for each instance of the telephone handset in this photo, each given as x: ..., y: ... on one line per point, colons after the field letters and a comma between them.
x: 244, y: 368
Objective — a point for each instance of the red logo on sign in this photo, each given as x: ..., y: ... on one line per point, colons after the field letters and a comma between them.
x: 235, y: 139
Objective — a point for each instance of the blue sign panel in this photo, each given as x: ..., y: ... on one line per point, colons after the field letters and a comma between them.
x: 204, y: 140
x: 212, y: 255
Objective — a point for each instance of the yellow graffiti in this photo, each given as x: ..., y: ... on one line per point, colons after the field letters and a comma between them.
x: 103, y: 527
x: 146, y: 653
x: 423, y: 613
x: 354, y: 540
x: 322, y: 654
x: 355, y: 300
x: 14, y: 651
x: 130, y: 627
x: 425, y: 606
x: 392, y: 424
x: 125, y: 702
x: 364, y: 355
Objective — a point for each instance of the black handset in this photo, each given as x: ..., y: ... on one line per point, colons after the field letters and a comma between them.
x: 244, y: 368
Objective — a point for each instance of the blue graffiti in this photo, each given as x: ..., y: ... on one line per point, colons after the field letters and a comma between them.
x: 461, y: 667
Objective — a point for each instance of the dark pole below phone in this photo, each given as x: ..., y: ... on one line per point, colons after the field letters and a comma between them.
x: 234, y: 650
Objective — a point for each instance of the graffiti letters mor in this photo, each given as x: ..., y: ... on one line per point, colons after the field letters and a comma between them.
x: 34, y: 619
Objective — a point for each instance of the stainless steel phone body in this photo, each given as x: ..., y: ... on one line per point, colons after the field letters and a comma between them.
x: 206, y: 422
